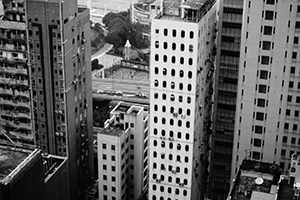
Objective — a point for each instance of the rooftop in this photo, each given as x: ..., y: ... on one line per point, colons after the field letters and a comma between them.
x: 193, y: 10
x: 114, y: 130
x: 255, y: 180
x: 10, y: 159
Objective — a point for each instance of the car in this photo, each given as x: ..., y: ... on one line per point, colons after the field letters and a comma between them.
x: 119, y: 93
x: 141, y: 95
x: 99, y: 92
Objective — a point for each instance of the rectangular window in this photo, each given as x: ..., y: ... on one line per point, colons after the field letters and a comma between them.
x: 257, y: 142
x: 293, y: 69
x: 282, y: 152
x: 297, y: 24
x: 258, y: 129
x: 284, y: 139
x: 259, y: 116
x: 265, y: 60
x: 296, y: 40
x: 269, y: 15
x: 263, y: 74
x: 262, y: 88
x: 287, y: 112
x: 261, y: 102
x: 272, y: 2
x: 291, y: 84
x: 103, y: 146
x: 294, y: 55
x: 297, y: 99
x: 293, y: 140
x: 105, y: 187
x: 296, y: 113
x: 256, y: 155
x: 289, y: 98
x: 266, y: 45
x: 267, y: 30
x: 295, y: 127
x: 113, y: 147
x: 286, y: 126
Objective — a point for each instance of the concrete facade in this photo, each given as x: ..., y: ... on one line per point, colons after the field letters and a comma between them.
x: 181, y: 89
x: 49, y: 106
x: 123, y: 153
x: 266, y: 123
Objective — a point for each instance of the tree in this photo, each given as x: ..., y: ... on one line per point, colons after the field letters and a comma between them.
x: 108, y: 17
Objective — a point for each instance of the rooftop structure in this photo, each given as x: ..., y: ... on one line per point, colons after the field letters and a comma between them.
x: 256, y: 180
x: 10, y: 159
x: 30, y: 174
x: 188, y: 11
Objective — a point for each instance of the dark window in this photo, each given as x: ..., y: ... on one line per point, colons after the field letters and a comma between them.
x: 258, y: 129
x: 262, y: 88
x: 266, y: 45
x: 271, y: 2
x: 267, y: 30
x: 269, y: 15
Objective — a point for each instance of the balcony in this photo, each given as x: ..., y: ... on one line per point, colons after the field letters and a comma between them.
x: 21, y: 71
x: 26, y: 126
x: 7, y: 123
x: 18, y: 37
x: 14, y: 10
x: 10, y: 47
x: 24, y: 94
x: 6, y: 91
x: 22, y: 82
x: 23, y: 104
x: 6, y: 102
x: 9, y: 81
x: 24, y: 115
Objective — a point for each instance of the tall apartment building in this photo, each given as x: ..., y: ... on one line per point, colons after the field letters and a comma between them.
x: 15, y: 105
x: 123, y: 153
x: 227, y: 67
x: 181, y: 89
x: 46, y: 82
x: 267, y: 115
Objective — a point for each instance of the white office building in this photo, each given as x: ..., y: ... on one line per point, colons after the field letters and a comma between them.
x: 181, y: 89
x: 123, y: 154
x: 268, y: 101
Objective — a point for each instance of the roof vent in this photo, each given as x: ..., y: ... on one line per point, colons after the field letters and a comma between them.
x: 259, y: 181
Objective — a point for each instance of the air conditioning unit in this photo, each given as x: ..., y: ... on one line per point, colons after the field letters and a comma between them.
x: 174, y: 171
x: 162, y: 137
x: 175, y: 114
x: 172, y: 139
x: 158, y: 180
x: 183, y: 116
x: 181, y: 184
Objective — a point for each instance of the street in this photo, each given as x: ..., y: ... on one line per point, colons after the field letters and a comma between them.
x: 129, y: 88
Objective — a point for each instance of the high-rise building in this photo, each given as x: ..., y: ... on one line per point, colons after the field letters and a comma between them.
x: 227, y: 67
x: 181, y: 88
x: 46, y: 92
x: 123, y: 153
x: 267, y: 111
x: 15, y: 102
